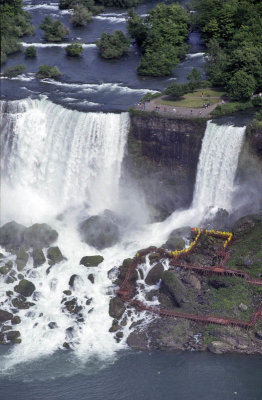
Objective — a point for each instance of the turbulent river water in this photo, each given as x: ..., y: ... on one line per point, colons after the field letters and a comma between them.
x: 62, y: 164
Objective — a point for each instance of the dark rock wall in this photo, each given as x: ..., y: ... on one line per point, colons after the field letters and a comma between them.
x: 162, y: 158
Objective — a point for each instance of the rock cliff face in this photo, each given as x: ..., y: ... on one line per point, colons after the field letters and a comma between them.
x: 162, y: 157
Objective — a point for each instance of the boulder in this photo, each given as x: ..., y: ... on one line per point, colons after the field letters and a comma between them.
x: 21, y: 303
x: 39, y: 236
x: 12, y: 235
x: 67, y: 292
x: 38, y: 257
x: 72, y: 306
x: 16, y: 320
x: 21, y: 258
x: 116, y: 308
x: 13, y: 336
x: 72, y: 280
x: 219, y: 347
x: 100, y: 231
x: 91, y: 278
x: 176, y: 238
x: 174, y: 287
x: 6, y: 268
x: 25, y: 288
x: 91, y: 261
x: 194, y: 282
x: 217, y: 284
x: 154, y: 274
x: 5, y: 316
x: 54, y: 255
x: 115, y: 326
x: 245, y: 225
x: 52, y: 325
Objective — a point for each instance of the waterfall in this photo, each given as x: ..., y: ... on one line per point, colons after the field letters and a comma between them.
x: 217, y: 166
x: 66, y: 157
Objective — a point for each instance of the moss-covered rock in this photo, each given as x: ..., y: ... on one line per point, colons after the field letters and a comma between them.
x: 21, y: 303
x: 91, y: 261
x: 116, y: 308
x: 91, y: 278
x: 40, y: 235
x: 174, y: 287
x: 25, y: 288
x: 54, y: 255
x: 154, y: 274
x: 6, y: 268
x: 38, y: 257
x: 21, y: 259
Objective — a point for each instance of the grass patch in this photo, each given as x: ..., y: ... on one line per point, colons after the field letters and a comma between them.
x: 194, y: 99
x: 229, y: 108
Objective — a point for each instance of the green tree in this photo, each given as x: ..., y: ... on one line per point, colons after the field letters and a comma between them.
x: 81, y: 16
x: 30, y: 52
x: 241, y: 86
x: 194, y: 79
x: 113, y: 45
x: 55, y: 31
x: 47, y: 71
x: 176, y: 90
x: 14, y: 71
x: 74, y: 50
x: 137, y: 28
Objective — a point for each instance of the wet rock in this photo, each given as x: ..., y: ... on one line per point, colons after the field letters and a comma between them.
x: 72, y: 280
x: 174, y: 287
x: 119, y: 335
x: 115, y: 326
x: 123, y: 270
x: 21, y: 258
x: 5, y: 316
x: 54, y: 255
x: 16, y: 320
x: 150, y: 295
x: 38, y: 257
x: 217, y: 220
x: 39, y: 236
x: 1, y: 256
x: 25, y: 288
x: 258, y: 334
x: 243, y: 307
x: 6, y: 268
x: 91, y: 261
x: 20, y: 276
x: 72, y: 306
x: 216, y: 284
x: 12, y: 235
x: 52, y: 325
x: 89, y: 301
x: 13, y: 336
x: 175, y: 244
x: 10, y: 279
x: 66, y: 345
x: 91, y: 278
x: 154, y: 274
x: 9, y: 293
x: 116, y: 308
x: 21, y: 303
x: 100, y: 231
x: 67, y: 292
x: 175, y: 240
x: 138, y: 340
x: 219, y: 347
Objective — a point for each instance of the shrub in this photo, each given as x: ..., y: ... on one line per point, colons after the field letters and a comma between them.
x: 74, y: 50
x: 194, y: 79
x: 30, y: 52
x: 81, y: 16
x: 14, y: 71
x: 176, y: 90
x: 230, y: 108
x: 55, y: 31
x: 47, y: 71
x: 113, y: 45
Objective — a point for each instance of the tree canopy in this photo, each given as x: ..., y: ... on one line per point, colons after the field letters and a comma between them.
x: 55, y: 31
x: 113, y: 45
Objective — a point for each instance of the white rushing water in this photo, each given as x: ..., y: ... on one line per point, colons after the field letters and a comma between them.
x: 55, y: 159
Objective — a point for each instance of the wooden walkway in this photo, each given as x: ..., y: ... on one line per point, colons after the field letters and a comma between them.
x: 126, y: 290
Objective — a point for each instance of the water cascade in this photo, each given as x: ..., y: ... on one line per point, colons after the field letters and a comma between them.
x: 53, y: 159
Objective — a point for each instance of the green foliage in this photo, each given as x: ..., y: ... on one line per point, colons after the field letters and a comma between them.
x: 230, y: 108
x: 119, y: 3
x: 31, y: 52
x: 241, y: 86
x: 176, y: 90
x: 14, y: 71
x: 194, y: 79
x: 81, y: 16
x: 55, y: 31
x: 162, y: 38
x: 150, y: 96
x: 233, y: 31
x: 113, y: 45
x: 47, y: 71
x: 15, y: 23
x: 74, y: 50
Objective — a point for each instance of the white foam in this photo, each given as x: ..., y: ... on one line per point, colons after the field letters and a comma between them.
x: 112, y: 19
x: 195, y: 55
x: 63, y: 45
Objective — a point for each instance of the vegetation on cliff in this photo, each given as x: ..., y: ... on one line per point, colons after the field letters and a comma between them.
x: 113, y: 45
x: 161, y: 36
x: 15, y: 23
x: 233, y: 33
